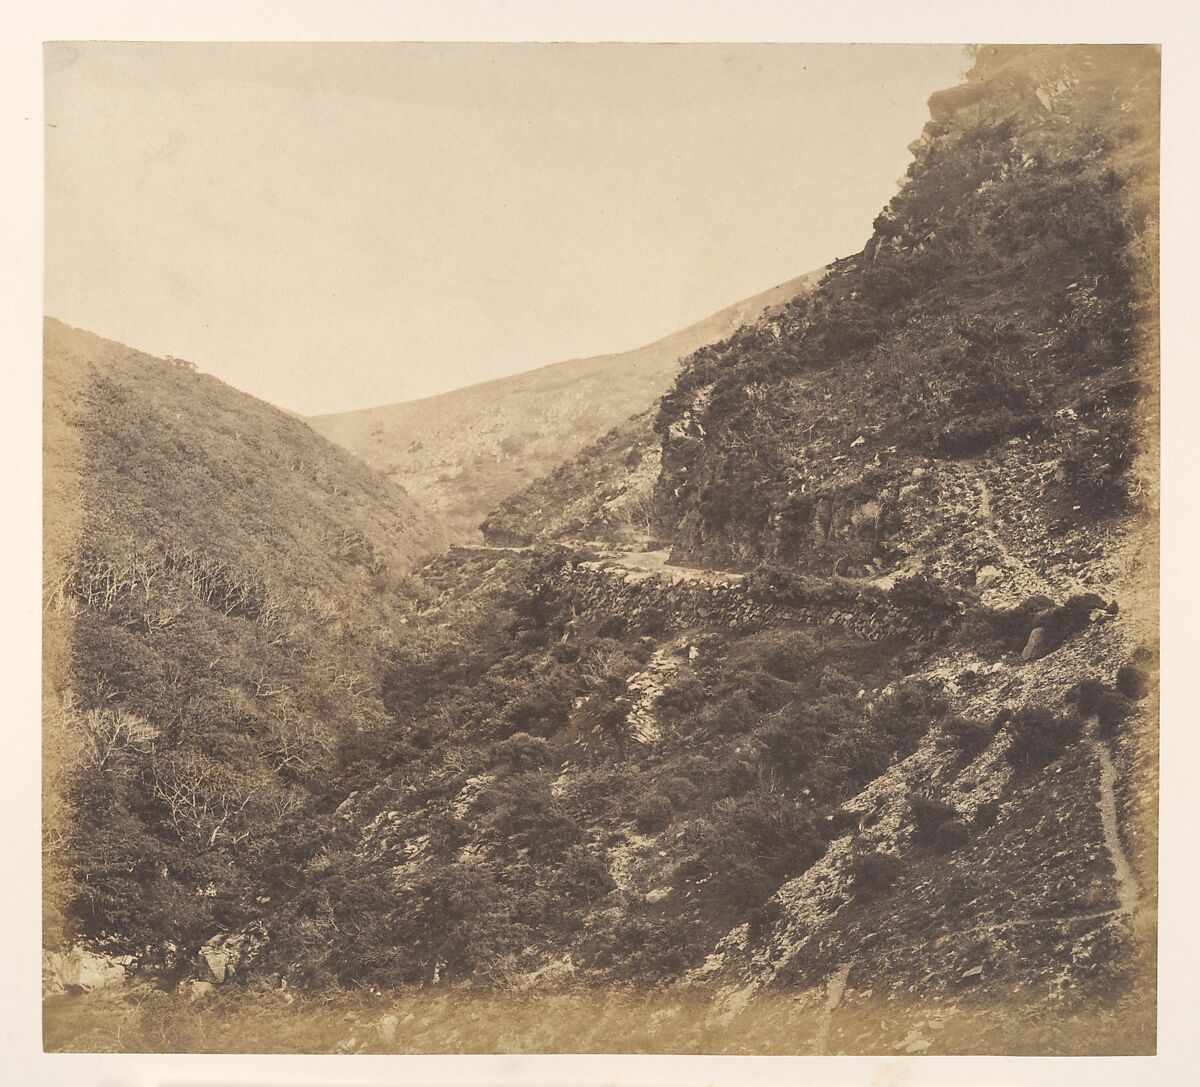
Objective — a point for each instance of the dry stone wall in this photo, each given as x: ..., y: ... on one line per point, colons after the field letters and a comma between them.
x: 671, y: 602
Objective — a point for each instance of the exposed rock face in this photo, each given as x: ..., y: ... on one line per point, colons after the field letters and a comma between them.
x: 225, y: 954
x: 81, y: 970
x: 778, y: 442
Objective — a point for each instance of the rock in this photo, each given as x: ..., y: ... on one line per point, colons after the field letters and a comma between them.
x: 973, y: 972
x: 659, y: 894
x: 80, y: 970
x: 199, y: 991
x: 857, y: 442
x: 387, y: 1028
x: 987, y: 577
x: 1037, y: 646
x: 919, y: 473
x: 918, y: 1045
x: 225, y: 953
x: 216, y: 962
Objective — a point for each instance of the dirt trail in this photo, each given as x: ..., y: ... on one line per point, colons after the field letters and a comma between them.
x: 647, y: 563
x: 1128, y: 893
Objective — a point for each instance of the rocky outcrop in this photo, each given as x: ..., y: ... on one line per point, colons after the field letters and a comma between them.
x: 79, y: 970
x: 225, y: 954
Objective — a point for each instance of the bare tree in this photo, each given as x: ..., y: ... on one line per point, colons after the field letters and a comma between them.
x: 207, y: 803
x: 110, y: 732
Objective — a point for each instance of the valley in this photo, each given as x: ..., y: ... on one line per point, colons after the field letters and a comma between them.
x: 797, y: 695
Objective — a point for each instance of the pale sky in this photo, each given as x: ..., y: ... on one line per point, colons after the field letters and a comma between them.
x: 338, y: 226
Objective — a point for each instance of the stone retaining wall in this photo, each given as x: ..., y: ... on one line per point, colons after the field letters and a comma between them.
x: 726, y: 600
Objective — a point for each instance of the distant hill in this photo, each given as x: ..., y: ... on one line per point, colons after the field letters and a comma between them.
x: 221, y: 583
x: 464, y: 452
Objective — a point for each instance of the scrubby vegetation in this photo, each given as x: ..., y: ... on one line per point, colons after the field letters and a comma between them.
x: 994, y: 301
x: 229, y: 584
x: 374, y: 778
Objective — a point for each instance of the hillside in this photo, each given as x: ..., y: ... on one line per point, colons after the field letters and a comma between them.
x: 608, y: 491
x: 464, y: 451
x: 220, y: 585
x: 862, y: 756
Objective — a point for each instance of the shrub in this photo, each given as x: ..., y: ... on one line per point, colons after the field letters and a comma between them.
x: 836, y: 682
x: 792, y: 747
x: 871, y: 874
x: 585, y: 873
x: 735, y: 714
x: 907, y: 713
x: 1039, y: 735
x: 682, y: 697
x: 653, y: 813
x: 969, y: 736
x: 749, y: 846
x: 614, y: 626
x: 543, y: 707
x: 679, y: 790
x: 1112, y: 710
x: 1131, y: 682
x: 1086, y: 694
x: 929, y: 815
x: 951, y: 835
x: 762, y: 919
x: 524, y: 814
x: 523, y: 752
x: 787, y: 654
x: 987, y: 813
x: 960, y: 889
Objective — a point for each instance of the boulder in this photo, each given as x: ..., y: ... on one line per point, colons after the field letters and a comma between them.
x: 199, y: 991
x: 216, y: 963
x: 80, y: 970
x: 1038, y: 644
x: 387, y: 1028
x: 224, y: 954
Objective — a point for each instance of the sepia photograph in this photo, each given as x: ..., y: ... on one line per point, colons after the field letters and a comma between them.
x: 600, y: 548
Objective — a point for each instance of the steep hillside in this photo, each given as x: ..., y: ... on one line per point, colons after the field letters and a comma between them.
x: 221, y: 584
x: 465, y: 451
x: 994, y: 312
x: 855, y: 800
x: 606, y: 493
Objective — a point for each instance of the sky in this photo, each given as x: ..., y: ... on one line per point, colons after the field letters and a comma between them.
x: 336, y: 226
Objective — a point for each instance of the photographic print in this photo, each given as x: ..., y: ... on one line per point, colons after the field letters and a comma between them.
x: 600, y: 548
